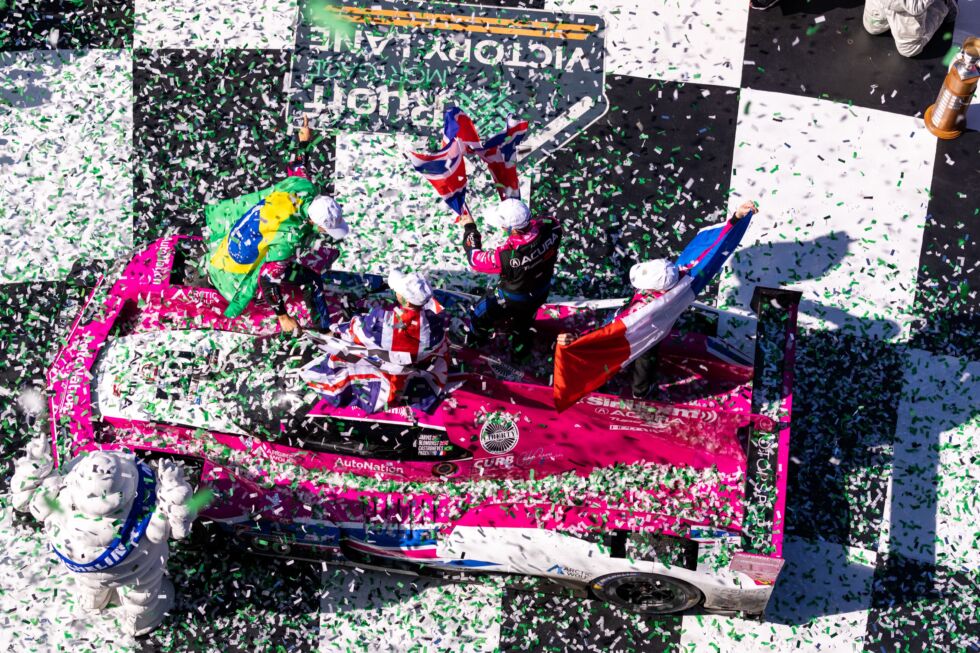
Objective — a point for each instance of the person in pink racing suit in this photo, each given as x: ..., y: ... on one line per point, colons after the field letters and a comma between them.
x: 651, y: 279
x: 305, y: 271
x: 525, y: 264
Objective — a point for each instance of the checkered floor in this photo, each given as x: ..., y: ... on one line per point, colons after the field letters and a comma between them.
x: 148, y: 108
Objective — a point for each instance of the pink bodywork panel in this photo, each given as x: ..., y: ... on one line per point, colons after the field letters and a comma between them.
x: 600, y: 431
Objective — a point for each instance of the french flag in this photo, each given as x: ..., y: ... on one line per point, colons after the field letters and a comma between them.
x: 591, y: 360
x: 594, y: 358
x: 446, y: 172
x: 499, y: 152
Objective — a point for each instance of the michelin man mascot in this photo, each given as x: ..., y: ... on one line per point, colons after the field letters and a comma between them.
x: 108, y: 516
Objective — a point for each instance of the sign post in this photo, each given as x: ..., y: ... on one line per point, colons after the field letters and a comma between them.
x: 391, y: 67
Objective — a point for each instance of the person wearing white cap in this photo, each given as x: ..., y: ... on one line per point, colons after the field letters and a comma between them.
x: 327, y: 217
x: 253, y: 242
x: 651, y: 279
x: 394, y: 355
x: 412, y: 290
x: 525, y: 264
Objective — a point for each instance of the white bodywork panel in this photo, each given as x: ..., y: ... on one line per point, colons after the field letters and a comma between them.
x: 538, y: 552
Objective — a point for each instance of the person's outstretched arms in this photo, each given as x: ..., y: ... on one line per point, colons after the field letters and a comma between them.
x: 31, y: 470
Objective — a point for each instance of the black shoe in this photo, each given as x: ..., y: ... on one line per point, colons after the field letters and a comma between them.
x: 763, y: 4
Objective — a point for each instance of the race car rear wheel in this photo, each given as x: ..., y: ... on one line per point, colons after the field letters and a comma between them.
x: 646, y: 593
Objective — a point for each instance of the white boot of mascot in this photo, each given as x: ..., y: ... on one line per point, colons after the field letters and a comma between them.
x: 108, y: 516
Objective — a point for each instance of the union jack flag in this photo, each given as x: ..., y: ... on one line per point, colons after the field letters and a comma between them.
x: 500, y: 154
x: 457, y: 125
x: 383, y: 359
x: 446, y: 172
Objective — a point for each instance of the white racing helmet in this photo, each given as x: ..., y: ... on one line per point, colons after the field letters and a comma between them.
x: 410, y: 285
x: 658, y: 274
x: 510, y: 214
x: 326, y: 214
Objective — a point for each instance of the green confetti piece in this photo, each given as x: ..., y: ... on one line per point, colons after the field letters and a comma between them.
x: 201, y: 499
x: 950, y: 55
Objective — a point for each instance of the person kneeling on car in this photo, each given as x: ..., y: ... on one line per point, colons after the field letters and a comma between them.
x: 389, y: 357
x: 253, y: 241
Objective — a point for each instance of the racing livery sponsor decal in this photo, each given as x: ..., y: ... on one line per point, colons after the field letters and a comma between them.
x: 368, y: 466
x: 499, y: 433
x: 571, y: 573
x: 431, y: 443
x: 197, y: 296
x: 291, y: 458
x: 762, y: 569
x: 389, y: 67
x: 164, y: 261
x: 538, y: 456
x: 625, y: 414
x: 503, y: 462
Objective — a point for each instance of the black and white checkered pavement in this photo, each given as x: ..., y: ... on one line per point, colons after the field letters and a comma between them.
x: 149, y: 107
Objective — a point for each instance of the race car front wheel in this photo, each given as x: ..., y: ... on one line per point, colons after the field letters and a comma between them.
x: 646, y: 593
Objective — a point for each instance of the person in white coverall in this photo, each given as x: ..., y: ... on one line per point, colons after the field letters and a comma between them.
x: 913, y: 23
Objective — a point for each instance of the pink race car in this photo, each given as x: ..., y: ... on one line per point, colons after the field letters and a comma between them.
x: 658, y: 506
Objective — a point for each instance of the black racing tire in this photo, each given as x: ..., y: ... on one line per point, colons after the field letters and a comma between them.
x: 646, y: 593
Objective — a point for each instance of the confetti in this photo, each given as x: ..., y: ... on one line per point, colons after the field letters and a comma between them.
x: 119, y: 120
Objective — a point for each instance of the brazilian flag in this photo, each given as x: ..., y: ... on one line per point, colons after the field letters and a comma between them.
x: 245, y: 232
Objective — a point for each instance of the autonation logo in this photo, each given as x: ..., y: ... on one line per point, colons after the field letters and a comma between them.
x: 368, y: 466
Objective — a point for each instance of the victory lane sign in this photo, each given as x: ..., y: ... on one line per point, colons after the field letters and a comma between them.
x: 369, y: 66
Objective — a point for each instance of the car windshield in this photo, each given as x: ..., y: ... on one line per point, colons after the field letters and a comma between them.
x: 222, y: 381
x: 241, y: 384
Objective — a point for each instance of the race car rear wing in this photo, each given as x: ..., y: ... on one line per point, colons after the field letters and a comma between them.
x: 772, y: 396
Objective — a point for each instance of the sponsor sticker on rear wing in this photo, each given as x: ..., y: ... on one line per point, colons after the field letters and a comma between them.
x: 772, y: 397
